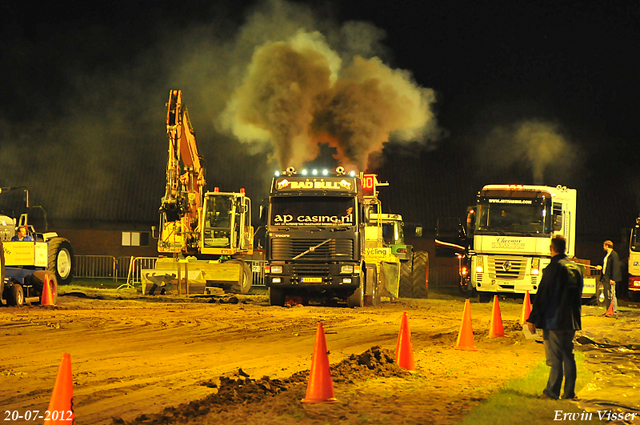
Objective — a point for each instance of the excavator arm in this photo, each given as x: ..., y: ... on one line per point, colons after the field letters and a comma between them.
x: 183, y: 196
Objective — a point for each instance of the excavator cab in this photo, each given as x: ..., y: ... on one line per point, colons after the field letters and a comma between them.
x: 226, y: 227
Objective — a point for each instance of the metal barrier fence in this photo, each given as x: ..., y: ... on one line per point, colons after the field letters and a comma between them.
x: 130, y: 268
x: 96, y: 266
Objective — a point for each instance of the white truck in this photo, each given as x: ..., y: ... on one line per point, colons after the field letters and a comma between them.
x: 634, y: 262
x: 510, y: 229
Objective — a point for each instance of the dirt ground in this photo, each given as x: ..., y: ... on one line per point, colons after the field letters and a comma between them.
x: 139, y: 359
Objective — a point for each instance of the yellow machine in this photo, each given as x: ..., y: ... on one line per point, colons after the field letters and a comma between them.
x: 205, y: 232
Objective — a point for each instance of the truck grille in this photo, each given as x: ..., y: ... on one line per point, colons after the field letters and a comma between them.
x: 311, y: 269
x: 507, y: 268
x: 335, y: 249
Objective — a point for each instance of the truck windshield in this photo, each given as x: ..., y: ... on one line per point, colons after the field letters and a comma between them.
x: 312, y: 211
x: 509, y: 217
x: 392, y: 233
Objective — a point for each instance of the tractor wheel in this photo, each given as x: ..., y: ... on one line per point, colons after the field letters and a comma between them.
x: 276, y: 296
x: 17, y: 295
x: 406, y: 279
x: 37, y: 282
x: 420, y: 274
x: 243, y: 285
x: 61, y: 260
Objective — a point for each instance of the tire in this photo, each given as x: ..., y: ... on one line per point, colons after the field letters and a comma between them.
x: 601, y: 299
x: 276, y: 296
x: 485, y: 297
x: 61, y: 260
x: 244, y: 284
x: 406, y: 279
x: 357, y: 298
x: 37, y: 282
x: 16, y: 295
x: 420, y: 275
x: 372, y: 296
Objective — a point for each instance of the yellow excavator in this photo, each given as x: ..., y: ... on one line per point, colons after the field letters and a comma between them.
x: 206, y: 233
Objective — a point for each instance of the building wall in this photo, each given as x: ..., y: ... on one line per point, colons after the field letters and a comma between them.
x: 105, y: 242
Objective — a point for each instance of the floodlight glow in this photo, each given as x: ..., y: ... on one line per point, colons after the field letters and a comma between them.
x: 352, y: 173
x: 315, y: 172
x: 277, y: 173
x: 304, y: 172
x: 325, y: 172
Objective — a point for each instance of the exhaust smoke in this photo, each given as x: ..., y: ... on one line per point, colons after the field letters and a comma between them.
x: 297, y: 94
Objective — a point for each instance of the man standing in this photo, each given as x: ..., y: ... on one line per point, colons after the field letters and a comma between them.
x: 556, y: 310
x: 610, y: 275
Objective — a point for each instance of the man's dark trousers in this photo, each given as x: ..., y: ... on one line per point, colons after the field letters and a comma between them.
x: 558, y: 346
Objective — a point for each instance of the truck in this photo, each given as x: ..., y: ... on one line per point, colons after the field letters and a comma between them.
x: 634, y: 263
x: 508, y: 234
x: 203, y: 235
x: 26, y: 265
x: 315, y: 239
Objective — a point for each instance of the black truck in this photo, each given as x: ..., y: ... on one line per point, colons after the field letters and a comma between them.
x: 315, y: 238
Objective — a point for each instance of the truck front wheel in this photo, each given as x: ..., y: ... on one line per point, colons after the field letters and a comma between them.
x: 357, y: 298
x: 276, y: 296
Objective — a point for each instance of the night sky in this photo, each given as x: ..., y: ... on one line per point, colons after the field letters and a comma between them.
x: 530, y: 92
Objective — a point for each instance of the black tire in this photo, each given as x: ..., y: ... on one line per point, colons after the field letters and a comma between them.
x: 420, y: 274
x: 601, y: 298
x: 61, y: 260
x: 244, y: 284
x: 484, y: 297
x: 37, y: 282
x: 406, y: 279
x: 16, y: 297
x: 276, y: 296
x: 357, y: 298
x: 372, y: 282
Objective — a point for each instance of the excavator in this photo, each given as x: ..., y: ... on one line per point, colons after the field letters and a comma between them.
x: 206, y: 233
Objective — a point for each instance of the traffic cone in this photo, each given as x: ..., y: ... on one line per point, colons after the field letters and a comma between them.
x: 526, y: 308
x: 61, y: 404
x: 496, y: 320
x: 320, y: 388
x: 610, y: 310
x: 465, y: 337
x: 404, y: 348
x: 47, y: 296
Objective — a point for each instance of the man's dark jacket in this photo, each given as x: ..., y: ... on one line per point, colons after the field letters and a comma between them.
x: 612, y: 270
x: 558, y: 301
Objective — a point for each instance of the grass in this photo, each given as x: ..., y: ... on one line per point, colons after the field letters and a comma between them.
x: 518, y: 403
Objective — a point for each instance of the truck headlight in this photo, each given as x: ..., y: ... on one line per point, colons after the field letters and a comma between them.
x: 346, y: 269
x: 479, y: 265
x: 535, y: 266
x: 276, y: 269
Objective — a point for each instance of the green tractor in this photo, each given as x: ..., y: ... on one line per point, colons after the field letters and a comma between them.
x: 414, y: 270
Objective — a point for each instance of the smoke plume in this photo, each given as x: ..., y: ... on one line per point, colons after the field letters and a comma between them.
x: 297, y: 94
x: 534, y: 144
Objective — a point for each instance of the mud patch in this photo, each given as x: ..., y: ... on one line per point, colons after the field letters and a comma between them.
x: 241, y: 389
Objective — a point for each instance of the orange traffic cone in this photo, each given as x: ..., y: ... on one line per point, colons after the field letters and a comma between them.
x: 61, y: 404
x: 526, y: 308
x: 47, y: 296
x: 404, y: 348
x: 465, y: 337
x: 610, y: 311
x: 496, y: 320
x: 320, y: 388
